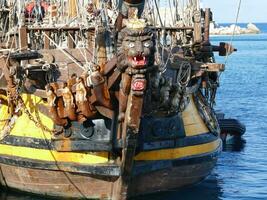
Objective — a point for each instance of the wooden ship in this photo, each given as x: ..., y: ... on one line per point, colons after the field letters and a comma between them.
x: 103, y: 100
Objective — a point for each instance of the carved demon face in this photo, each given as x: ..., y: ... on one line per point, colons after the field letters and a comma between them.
x: 136, y: 48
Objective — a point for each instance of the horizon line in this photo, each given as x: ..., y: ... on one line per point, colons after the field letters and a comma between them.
x: 240, y: 22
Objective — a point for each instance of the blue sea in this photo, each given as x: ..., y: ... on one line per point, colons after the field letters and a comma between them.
x: 241, y: 171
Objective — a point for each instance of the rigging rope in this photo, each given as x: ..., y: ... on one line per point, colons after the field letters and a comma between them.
x: 76, y: 44
x: 51, y: 151
x: 63, y: 51
x: 170, y: 7
x: 157, y: 8
x: 233, y: 34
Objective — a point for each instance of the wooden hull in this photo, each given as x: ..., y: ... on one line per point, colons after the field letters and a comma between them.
x: 28, y: 162
x: 180, y: 173
x: 55, y: 183
x: 169, y: 179
x: 160, y: 175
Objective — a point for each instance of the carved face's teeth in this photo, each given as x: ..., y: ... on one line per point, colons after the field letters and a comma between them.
x: 139, y: 60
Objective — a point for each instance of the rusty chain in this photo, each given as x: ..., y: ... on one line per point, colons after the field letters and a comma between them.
x: 15, y: 105
x: 10, y: 123
x: 36, y: 121
x: 6, y: 131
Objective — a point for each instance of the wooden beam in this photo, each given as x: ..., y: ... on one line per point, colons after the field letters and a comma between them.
x: 90, y: 38
x: 46, y: 40
x: 207, y: 26
x: 101, y: 47
x: 71, y: 38
x: 73, y: 8
x: 197, y: 27
x: 213, y: 67
x: 23, y: 38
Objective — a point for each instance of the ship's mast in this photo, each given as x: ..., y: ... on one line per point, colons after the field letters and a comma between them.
x: 73, y: 7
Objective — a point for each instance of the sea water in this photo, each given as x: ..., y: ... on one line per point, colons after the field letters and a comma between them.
x: 241, y: 172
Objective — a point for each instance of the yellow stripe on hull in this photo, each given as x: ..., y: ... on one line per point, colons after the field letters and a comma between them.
x: 3, y: 116
x: 170, y: 154
x: 98, y: 158
x: 193, y: 123
x: 24, y: 127
x: 52, y: 156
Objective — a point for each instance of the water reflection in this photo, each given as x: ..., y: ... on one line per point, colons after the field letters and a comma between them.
x: 209, y: 190
x: 236, y: 145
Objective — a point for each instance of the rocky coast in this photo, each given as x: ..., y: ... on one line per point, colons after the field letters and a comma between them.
x: 237, y: 30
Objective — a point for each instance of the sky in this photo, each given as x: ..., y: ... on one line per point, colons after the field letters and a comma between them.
x: 226, y: 10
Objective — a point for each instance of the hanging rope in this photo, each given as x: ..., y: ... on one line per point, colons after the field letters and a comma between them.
x: 233, y: 34
x: 170, y: 7
x: 52, y: 153
x: 63, y: 51
x: 159, y: 16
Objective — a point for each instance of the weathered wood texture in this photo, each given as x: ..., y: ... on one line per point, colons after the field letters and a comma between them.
x: 46, y: 40
x: 67, y: 61
x: 23, y: 38
x: 197, y: 27
x: 63, y: 184
x: 207, y: 25
x: 55, y: 183
x: 77, y: 55
x: 171, y: 178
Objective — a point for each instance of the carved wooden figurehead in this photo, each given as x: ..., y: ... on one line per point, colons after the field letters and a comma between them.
x: 136, y: 48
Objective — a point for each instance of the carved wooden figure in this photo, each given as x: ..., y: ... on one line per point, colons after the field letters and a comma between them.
x: 69, y: 105
x: 83, y: 104
x: 72, y: 81
x: 99, y: 89
x: 51, y: 96
x: 53, y: 108
x: 81, y: 91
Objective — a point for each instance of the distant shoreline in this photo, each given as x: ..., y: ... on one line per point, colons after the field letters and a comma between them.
x: 237, y: 35
x: 242, y: 22
x: 237, y: 29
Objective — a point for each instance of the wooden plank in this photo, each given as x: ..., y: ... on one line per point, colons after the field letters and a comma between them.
x: 197, y: 27
x: 101, y: 47
x: 172, y: 177
x: 110, y: 65
x: 207, y: 26
x: 63, y: 28
x: 130, y: 137
x: 23, y: 38
x: 76, y: 28
x: 46, y: 40
x: 56, y: 183
x: 90, y: 38
x: 72, y: 5
x: 71, y: 39
x: 59, y: 56
x: 213, y: 67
